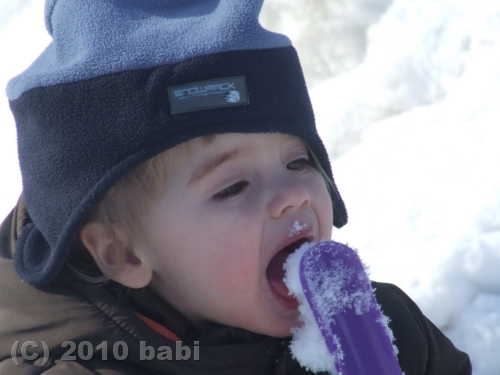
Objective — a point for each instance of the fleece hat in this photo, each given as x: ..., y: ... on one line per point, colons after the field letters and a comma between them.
x: 125, y: 80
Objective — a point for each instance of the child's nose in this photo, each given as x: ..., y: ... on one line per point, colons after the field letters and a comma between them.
x: 289, y: 194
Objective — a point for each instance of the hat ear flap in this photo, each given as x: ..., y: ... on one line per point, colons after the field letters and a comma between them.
x: 34, y: 266
x: 49, y: 8
x: 339, y: 210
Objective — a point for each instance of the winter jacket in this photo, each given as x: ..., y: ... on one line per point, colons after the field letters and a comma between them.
x: 86, y: 327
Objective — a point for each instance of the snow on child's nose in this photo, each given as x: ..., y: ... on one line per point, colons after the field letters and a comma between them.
x: 344, y: 330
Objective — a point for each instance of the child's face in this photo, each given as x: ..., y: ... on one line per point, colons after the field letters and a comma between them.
x: 216, y: 238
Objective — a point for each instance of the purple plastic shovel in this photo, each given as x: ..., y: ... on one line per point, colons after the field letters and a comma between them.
x: 341, y: 298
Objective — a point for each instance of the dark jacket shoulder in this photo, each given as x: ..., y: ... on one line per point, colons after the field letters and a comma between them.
x: 417, y: 337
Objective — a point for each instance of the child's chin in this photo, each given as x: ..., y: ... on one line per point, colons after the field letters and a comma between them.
x: 281, y: 333
x: 280, y: 329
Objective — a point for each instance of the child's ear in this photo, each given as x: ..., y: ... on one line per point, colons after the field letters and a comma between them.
x: 114, y: 255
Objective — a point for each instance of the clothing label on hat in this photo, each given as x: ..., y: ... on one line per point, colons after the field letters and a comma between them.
x: 215, y: 93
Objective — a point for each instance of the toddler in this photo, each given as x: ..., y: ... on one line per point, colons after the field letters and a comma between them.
x: 170, y: 164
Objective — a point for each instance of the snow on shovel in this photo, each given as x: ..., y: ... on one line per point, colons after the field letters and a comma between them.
x: 344, y: 330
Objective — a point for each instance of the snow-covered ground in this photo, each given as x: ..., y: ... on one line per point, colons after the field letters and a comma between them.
x: 407, y: 100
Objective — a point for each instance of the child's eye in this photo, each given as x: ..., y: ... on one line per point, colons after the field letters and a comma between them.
x: 231, y: 191
x: 298, y: 164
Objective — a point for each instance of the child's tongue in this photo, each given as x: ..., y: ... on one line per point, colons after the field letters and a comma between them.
x: 275, y: 274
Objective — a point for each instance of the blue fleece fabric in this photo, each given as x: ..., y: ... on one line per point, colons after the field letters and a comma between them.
x: 95, y: 37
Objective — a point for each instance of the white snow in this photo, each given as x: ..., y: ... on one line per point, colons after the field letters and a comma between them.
x: 22, y: 39
x: 307, y: 345
x: 330, y: 279
x: 406, y: 95
x: 296, y: 227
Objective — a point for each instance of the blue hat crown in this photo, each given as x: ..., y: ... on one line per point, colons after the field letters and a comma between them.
x: 95, y: 37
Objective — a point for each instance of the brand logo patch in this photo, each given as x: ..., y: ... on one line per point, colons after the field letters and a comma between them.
x: 215, y: 93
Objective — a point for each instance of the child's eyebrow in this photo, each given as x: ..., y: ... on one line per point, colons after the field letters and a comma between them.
x: 209, y: 165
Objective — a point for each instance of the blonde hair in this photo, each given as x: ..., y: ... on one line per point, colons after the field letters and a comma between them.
x: 127, y: 202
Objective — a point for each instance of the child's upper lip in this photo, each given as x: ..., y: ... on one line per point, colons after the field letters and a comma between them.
x: 306, y: 232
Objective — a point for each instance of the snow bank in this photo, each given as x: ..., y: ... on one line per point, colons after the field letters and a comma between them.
x: 22, y: 39
x: 415, y: 54
x: 477, y: 328
x: 330, y: 36
x: 422, y: 187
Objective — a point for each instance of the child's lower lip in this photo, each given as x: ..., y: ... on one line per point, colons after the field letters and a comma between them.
x: 280, y: 291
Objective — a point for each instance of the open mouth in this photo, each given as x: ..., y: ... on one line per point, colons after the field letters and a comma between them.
x: 275, y: 272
